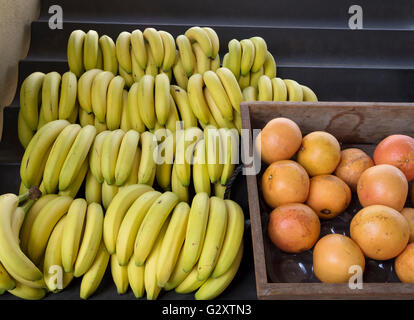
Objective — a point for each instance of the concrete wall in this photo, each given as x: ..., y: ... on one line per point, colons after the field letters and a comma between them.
x: 15, y: 19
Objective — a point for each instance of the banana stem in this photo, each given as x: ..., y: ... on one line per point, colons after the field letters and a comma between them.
x: 33, y: 194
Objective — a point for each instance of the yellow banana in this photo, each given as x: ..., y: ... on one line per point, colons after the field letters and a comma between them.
x: 214, y: 41
x: 265, y: 89
x: 156, y: 45
x: 133, y: 177
x: 86, y: 119
x: 219, y: 190
x: 126, y: 155
x: 255, y: 76
x: 109, y: 154
x: 169, y: 50
x: 93, y: 277
x: 177, y: 187
x: 123, y: 54
x: 139, y: 49
x: 73, y: 189
x: 68, y: 94
x: 76, y: 156
x: 231, y: 86
x: 30, y: 98
x: 230, y: 141
x: 50, y: 96
x: 110, y: 62
x: 147, y: 166
x: 219, y: 120
x: 214, y: 153
x: 75, y: 52
x: 308, y: 94
x: 128, y: 77
x: 136, y: 276
x: 151, y: 225
x: 225, y: 63
x: 215, y: 233
x: 6, y: 282
x: 215, y: 63
x: 23, y: 130
x: 190, y: 283
x: 93, y: 189
x: 196, y: 97
x: 43, y: 226
x: 85, y: 88
x: 162, y: 98
x: 137, y: 71
x: 196, y: 229
x: 96, y: 155
x: 91, y: 50
x: 219, y: 94
x: 114, y: 103
x: 200, y: 36
x: 294, y: 90
x: 125, y: 115
x: 201, y: 179
x: 108, y: 193
x: 119, y: 275
x: 173, y: 122
x: 99, y: 60
x: 28, y: 293
x: 117, y: 210
x: 234, y: 58
x: 279, y: 90
x: 152, y: 68
x: 135, y: 120
x: 42, y: 120
x: 172, y: 243
x: 202, y: 60
x: 146, y: 104
x: 269, y: 66
x: 215, y: 286
x: 178, y: 275
x: 180, y: 75
x: 260, y: 49
x: 182, y: 101
x: 250, y: 93
x: 166, y: 151
x: 73, y: 118
x: 91, y: 239
x: 99, y: 126
x: 247, y: 56
x: 99, y: 92
x: 244, y: 81
x: 187, y: 56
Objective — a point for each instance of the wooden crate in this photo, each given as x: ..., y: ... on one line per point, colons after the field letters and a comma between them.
x: 353, y: 124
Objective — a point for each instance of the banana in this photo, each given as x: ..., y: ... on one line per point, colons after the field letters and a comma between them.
x: 146, y: 104
x: 279, y: 90
x: 72, y: 233
x: 30, y: 99
x: 123, y: 54
x: 43, y: 225
x: 216, y: 113
x: 93, y: 277
x: 190, y: 283
x: 247, y: 56
x: 85, y: 88
x: 214, y: 153
x: 294, y: 90
x: 73, y: 118
x: 55, y: 277
x: 99, y: 126
x: 215, y: 286
x: 119, y: 275
x: 200, y: 36
x: 162, y: 98
x: 57, y: 157
x: 152, y: 68
x: 117, y: 210
x: 230, y: 141
x: 73, y: 189
x: 108, y: 193
x: 18, y: 218
x: 169, y: 50
x: 24, y: 132
x: 68, y: 94
x: 173, y: 122
x: 244, y: 81
x: 215, y: 63
x: 114, y: 103
x: 180, y: 75
x: 151, y: 226
x: 28, y: 293
x: 232, y: 240
x: 225, y: 63
x: 128, y: 77
x: 36, y: 151
x: 96, y: 155
x: 6, y: 282
x: 150, y: 270
x: 126, y: 155
x: 177, y: 187
x: 187, y: 56
x: 255, y: 76
x: 308, y: 94
x: 269, y: 66
x: 50, y: 96
x: 91, y: 239
x: 99, y: 92
x: 109, y: 154
x: 166, y: 150
x: 196, y: 98
x: 138, y: 48
x: 147, y: 166
x: 196, y: 229
x: 131, y: 224
x: 215, y: 233
x: 91, y: 50
x: 136, y: 279
x: 203, y: 61
x: 260, y: 49
x: 156, y: 45
x: 133, y: 177
x: 219, y: 190
x: 99, y: 61
x: 265, y: 89
x: 42, y: 120
x: 110, y: 62
x: 125, y: 126
x: 231, y: 86
x: 137, y: 71
x: 250, y: 93
x: 30, y: 218
x: 215, y: 42
x: 234, y: 57
x: 172, y: 243
x: 75, y: 52
x: 182, y: 101
x: 201, y: 179
x: 135, y: 120
x: 86, y: 119
x: 76, y: 156
x: 93, y: 189
x: 219, y: 94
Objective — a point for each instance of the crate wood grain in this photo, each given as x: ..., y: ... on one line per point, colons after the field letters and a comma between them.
x: 351, y: 123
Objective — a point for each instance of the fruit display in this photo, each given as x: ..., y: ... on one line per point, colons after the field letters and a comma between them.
x: 308, y: 185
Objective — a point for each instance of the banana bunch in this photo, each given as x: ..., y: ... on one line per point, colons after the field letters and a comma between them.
x: 277, y: 89
x: 197, y: 52
x: 45, y: 98
x: 249, y: 59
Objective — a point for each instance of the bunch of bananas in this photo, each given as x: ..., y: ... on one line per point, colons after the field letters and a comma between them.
x: 277, y: 89
x: 44, y: 98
